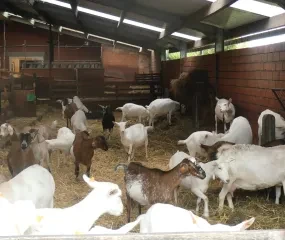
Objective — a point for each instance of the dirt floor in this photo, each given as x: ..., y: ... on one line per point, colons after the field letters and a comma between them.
x: 162, y: 145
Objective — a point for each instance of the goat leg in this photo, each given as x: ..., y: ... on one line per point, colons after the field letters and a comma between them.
x: 140, y: 209
x: 278, y: 194
x: 129, y: 152
x: 216, y: 123
x: 129, y: 205
x: 88, y: 170
x: 76, y: 169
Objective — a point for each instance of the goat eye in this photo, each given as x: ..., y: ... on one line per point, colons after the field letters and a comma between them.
x: 113, y: 192
x: 220, y: 168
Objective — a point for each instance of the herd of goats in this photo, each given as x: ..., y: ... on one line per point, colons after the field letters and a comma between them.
x: 26, y: 200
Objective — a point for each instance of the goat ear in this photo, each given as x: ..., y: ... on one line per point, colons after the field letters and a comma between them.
x: 90, y: 181
x: 217, y: 99
x: 230, y: 100
x: 100, y: 106
x: 10, y: 130
x: 205, y: 147
x: 245, y: 224
x: 113, y: 192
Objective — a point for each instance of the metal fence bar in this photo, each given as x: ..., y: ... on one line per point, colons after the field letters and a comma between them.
x: 242, y: 235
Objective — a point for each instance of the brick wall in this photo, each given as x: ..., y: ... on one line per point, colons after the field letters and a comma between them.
x: 245, y: 75
x: 18, y: 34
x: 121, y: 64
x: 248, y: 75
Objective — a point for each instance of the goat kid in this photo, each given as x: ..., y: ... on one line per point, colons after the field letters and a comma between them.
x: 165, y: 218
x: 147, y: 186
x: 133, y: 137
x: 105, y: 197
x: 83, y: 150
x: 160, y: 107
x: 133, y: 110
x: 224, y: 111
x: 200, y: 186
x: 107, y: 120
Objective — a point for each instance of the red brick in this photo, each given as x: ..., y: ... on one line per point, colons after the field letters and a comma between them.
x: 276, y: 56
x: 269, y: 66
x: 264, y: 57
x: 282, y: 55
x: 275, y: 75
x: 263, y: 84
x: 282, y: 75
x: 270, y: 57
x: 278, y: 66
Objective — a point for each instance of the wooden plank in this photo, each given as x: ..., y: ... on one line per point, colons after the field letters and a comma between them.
x: 241, y: 235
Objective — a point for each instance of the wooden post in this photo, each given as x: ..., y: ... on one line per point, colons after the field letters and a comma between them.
x: 268, y: 129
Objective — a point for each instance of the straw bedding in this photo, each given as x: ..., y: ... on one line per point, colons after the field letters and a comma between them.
x: 162, y: 145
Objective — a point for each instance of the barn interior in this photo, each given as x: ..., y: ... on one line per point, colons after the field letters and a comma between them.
x: 112, y: 52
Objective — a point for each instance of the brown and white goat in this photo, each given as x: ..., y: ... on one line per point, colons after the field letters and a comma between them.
x: 70, y: 109
x: 148, y: 186
x: 19, y: 158
x: 83, y: 149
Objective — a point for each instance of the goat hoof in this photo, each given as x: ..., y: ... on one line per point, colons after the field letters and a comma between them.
x: 205, y: 215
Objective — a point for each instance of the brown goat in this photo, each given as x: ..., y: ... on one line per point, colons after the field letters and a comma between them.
x: 148, y: 186
x: 69, y: 111
x: 83, y: 149
x: 18, y: 158
x: 216, y: 149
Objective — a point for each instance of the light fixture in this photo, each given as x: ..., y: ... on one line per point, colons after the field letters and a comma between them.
x: 8, y: 14
x: 96, y: 36
x: 97, y: 13
x: 260, y: 8
x: 131, y: 45
x: 143, y: 25
x: 70, y: 29
x: 58, y: 3
x: 182, y: 35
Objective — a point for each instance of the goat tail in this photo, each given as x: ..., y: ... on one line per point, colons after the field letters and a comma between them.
x: 181, y: 142
x: 149, y: 128
x: 121, y: 165
x: 54, y: 124
x: 119, y: 108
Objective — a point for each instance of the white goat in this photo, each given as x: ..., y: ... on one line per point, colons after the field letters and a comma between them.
x: 34, y: 183
x: 279, y: 125
x: 79, y: 121
x: 63, y: 142
x: 194, y: 141
x: 63, y: 107
x: 239, y: 133
x: 224, y: 111
x: 39, y: 147
x: 16, y: 217
x: 166, y: 218
x: 200, y: 186
x: 133, y: 137
x: 160, y: 107
x: 252, y: 167
x: 133, y: 110
x: 79, y: 104
x: 104, y: 198
x: 122, y: 230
